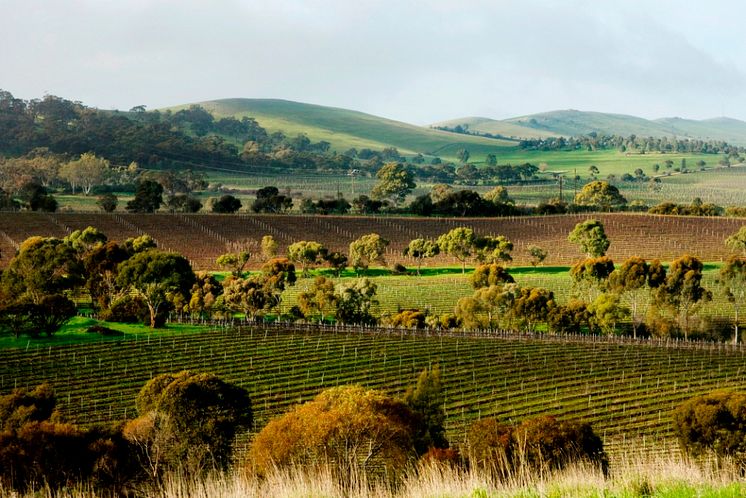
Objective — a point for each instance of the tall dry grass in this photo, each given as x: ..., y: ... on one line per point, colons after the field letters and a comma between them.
x: 631, y: 475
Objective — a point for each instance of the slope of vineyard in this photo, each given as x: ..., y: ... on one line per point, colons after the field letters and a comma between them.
x: 203, y: 237
x: 627, y: 390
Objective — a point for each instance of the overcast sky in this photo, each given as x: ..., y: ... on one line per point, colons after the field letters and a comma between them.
x: 417, y: 61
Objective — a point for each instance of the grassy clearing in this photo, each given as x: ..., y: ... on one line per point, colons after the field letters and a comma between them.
x: 76, y: 332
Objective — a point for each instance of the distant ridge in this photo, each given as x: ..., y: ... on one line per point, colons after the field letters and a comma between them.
x: 345, y: 128
x: 573, y: 122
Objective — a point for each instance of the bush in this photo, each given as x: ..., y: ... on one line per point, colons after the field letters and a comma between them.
x: 713, y: 422
x: 399, y: 269
x: 188, y: 422
x: 538, y: 444
x: 409, y: 319
x: 545, y: 442
x: 355, y: 429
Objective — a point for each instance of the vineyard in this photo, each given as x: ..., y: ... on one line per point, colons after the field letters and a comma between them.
x: 626, y: 389
x: 202, y: 238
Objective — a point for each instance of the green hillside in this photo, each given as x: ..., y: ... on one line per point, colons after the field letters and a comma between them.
x: 496, y: 127
x: 572, y: 122
x: 727, y: 129
x: 345, y: 128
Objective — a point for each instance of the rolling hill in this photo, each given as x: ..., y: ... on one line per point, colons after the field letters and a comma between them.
x: 496, y: 127
x: 346, y: 128
x: 571, y: 122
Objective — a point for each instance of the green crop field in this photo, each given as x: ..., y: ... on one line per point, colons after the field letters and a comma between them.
x: 626, y: 390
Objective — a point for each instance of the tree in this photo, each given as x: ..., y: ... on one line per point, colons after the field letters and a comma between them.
x: 87, y: 171
x: 42, y: 267
x: 600, y: 194
x: 269, y: 200
x: 532, y: 305
x: 86, y: 240
x: 420, y: 249
x: 713, y: 422
x: 490, y: 274
x: 593, y: 170
x: 488, y: 307
x: 356, y: 429
x: 35, y: 197
x: 632, y: 282
x: 538, y: 254
x: 440, y: 191
x: 336, y: 261
x: 463, y: 155
x: 355, y: 302
x: 607, y: 310
x: 249, y: 296
x: 226, y: 204
x: 269, y: 247
x: 234, y: 261
x: 736, y: 242
x: 682, y: 290
x: 733, y: 280
x: 307, y: 254
x: 183, y: 203
x: 494, y: 249
x: 148, y: 197
x: 426, y: 400
x: 188, y: 422
x: 278, y: 274
x: 158, y: 278
x: 498, y: 195
x: 591, y: 238
x: 107, y: 202
x: 591, y: 276
x: 459, y: 243
x: 395, y: 182
x: 366, y: 250
x: 100, y: 270
x: 319, y: 298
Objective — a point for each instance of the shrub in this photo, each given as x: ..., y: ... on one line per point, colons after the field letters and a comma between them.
x: 409, y: 319
x: 537, y: 444
x: 545, y: 442
x: 713, y: 422
x: 188, y: 422
x: 355, y: 429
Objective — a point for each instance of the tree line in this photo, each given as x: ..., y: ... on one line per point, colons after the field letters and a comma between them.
x: 134, y: 281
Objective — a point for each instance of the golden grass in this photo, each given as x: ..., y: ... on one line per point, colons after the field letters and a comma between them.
x: 632, y: 475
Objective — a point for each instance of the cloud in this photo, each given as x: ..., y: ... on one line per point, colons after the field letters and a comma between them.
x: 419, y: 61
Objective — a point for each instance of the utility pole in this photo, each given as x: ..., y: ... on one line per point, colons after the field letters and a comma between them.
x: 561, y: 178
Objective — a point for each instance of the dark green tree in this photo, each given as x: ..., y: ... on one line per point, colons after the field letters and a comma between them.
x: 148, y: 197
x: 426, y: 400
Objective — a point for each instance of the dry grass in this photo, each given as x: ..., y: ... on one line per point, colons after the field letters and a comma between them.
x: 632, y: 475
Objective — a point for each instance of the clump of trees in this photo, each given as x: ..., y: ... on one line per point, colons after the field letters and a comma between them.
x: 187, y: 424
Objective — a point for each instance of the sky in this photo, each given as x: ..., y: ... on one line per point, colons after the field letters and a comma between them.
x: 415, y: 61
